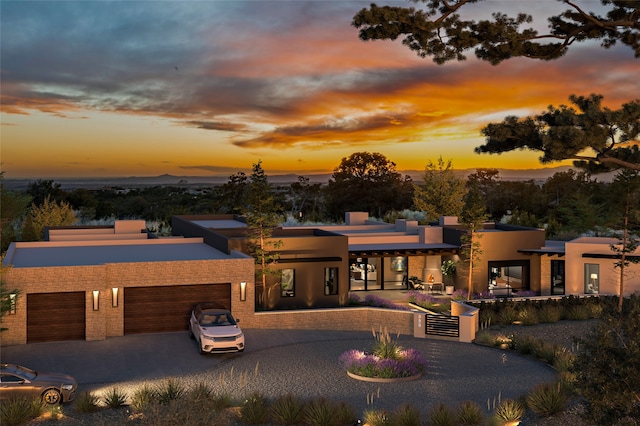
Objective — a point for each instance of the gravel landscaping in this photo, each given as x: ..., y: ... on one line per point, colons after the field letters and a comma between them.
x: 310, y: 369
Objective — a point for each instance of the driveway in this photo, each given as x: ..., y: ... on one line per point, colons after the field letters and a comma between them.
x: 278, y: 362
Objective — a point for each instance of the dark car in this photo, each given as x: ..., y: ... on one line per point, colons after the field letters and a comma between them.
x: 17, y: 381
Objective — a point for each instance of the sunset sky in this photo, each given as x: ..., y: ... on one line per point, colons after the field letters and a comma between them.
x: 144, y: 88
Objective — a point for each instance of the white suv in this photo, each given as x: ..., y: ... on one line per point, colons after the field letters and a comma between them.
x: 215, y: 330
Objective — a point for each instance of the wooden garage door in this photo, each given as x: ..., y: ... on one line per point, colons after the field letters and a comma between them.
x: 167, y: 308
x: 55, y: 316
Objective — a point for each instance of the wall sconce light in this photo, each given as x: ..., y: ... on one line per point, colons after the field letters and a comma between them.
x: 243, y: 291
x: 96, y: 300
x: 114, y: 297
x: 12, y: 303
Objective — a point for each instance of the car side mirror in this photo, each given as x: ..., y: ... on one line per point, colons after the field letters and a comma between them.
x: 237, y: 320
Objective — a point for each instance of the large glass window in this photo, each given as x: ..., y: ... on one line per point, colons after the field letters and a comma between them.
x: 330, y: 281
x: 557, y: 277
x: 591, y: 278
x: 288, y: 283
x: 508, y: 278
x: 364, y: 274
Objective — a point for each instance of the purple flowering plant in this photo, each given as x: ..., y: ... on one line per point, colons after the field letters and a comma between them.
x: 388, y: 360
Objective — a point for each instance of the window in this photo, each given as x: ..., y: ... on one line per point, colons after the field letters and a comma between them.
x: 591, y: 278
x: 330, y: 281
x: 557, y: 277
x: 287, y: 283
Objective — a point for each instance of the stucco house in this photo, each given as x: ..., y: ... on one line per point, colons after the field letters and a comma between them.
x: 97, y: 282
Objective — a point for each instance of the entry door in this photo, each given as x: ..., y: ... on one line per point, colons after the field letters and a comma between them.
x: 557, y: 277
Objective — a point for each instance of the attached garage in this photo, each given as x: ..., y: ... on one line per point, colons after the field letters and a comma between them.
x: 167, y: 308
x: 55, y: 316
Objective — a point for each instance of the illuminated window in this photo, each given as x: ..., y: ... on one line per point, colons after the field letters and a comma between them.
x: 330, y: 281
x: 288, y: 283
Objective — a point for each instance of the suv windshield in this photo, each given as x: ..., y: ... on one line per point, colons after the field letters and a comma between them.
x: 216, y: 319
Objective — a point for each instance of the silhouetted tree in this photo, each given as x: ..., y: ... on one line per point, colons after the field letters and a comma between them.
x: 368, y: 182
x: 41, y: 189
x: 440, y: 32
x: 595, y: 137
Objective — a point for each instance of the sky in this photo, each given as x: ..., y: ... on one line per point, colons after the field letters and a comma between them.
x: 199, y: 88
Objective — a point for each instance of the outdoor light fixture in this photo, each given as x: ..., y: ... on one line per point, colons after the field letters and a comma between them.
x: 243, y: 291
x: 96, y: 300
x: 114, y: 297
x: 12, y: 303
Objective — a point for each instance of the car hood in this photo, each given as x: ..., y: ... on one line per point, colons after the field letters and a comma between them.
x: 221, y: 331
x: 55, y: 378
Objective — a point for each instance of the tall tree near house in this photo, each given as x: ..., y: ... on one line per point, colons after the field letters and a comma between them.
x: 627, y: 186
x: 596, y: 138
x: 50, y: 213
x: 8, y: 298
x: 473, y: 216
x: 439, y: 30
x: 441, y: 192
x: 263, y: 214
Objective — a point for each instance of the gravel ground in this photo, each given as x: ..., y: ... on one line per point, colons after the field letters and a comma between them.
x: 456, y: 372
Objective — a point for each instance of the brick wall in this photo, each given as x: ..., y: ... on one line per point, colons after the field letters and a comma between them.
x: 108, y: 320
x: 350, y: 319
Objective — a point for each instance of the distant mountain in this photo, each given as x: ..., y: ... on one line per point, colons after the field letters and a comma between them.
x: 538, y: 175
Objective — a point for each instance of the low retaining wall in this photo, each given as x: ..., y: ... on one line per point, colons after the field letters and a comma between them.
x: 348, y: 319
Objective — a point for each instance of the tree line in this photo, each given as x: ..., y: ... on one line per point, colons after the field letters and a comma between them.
x: 567, y: 204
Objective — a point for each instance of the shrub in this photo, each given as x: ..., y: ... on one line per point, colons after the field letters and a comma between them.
x: 142, y: 397
x: 577, y: 313
x: 484, y: 338
x: 563, y: 360
x: 549, y: 314
x: 201, y: 391
x: 607, y: 364
x: 255, y: 409
x: 547, y: 399
x: 441, y: 415
x: 374, y: 417
x: 169, y: 390
x: 470, y: 413
x: 345, y: 414
x: 15, y: 411
x: 460, y: 294
x: 525, y: 344
x: 528, y: 315
x: 508, y: 314
x: 509, y: 410
x: 86, y: 402
x: 320, y: 412
x: 287, y: 410
x: 114, y: 398
x: 406, y: 415
x: 385, y: 346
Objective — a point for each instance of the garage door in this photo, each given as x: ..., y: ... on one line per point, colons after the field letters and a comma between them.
x: 167, y: 308
x: 55, y: 316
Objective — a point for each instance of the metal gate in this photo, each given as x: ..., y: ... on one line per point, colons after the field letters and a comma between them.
x: 442, y: 325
